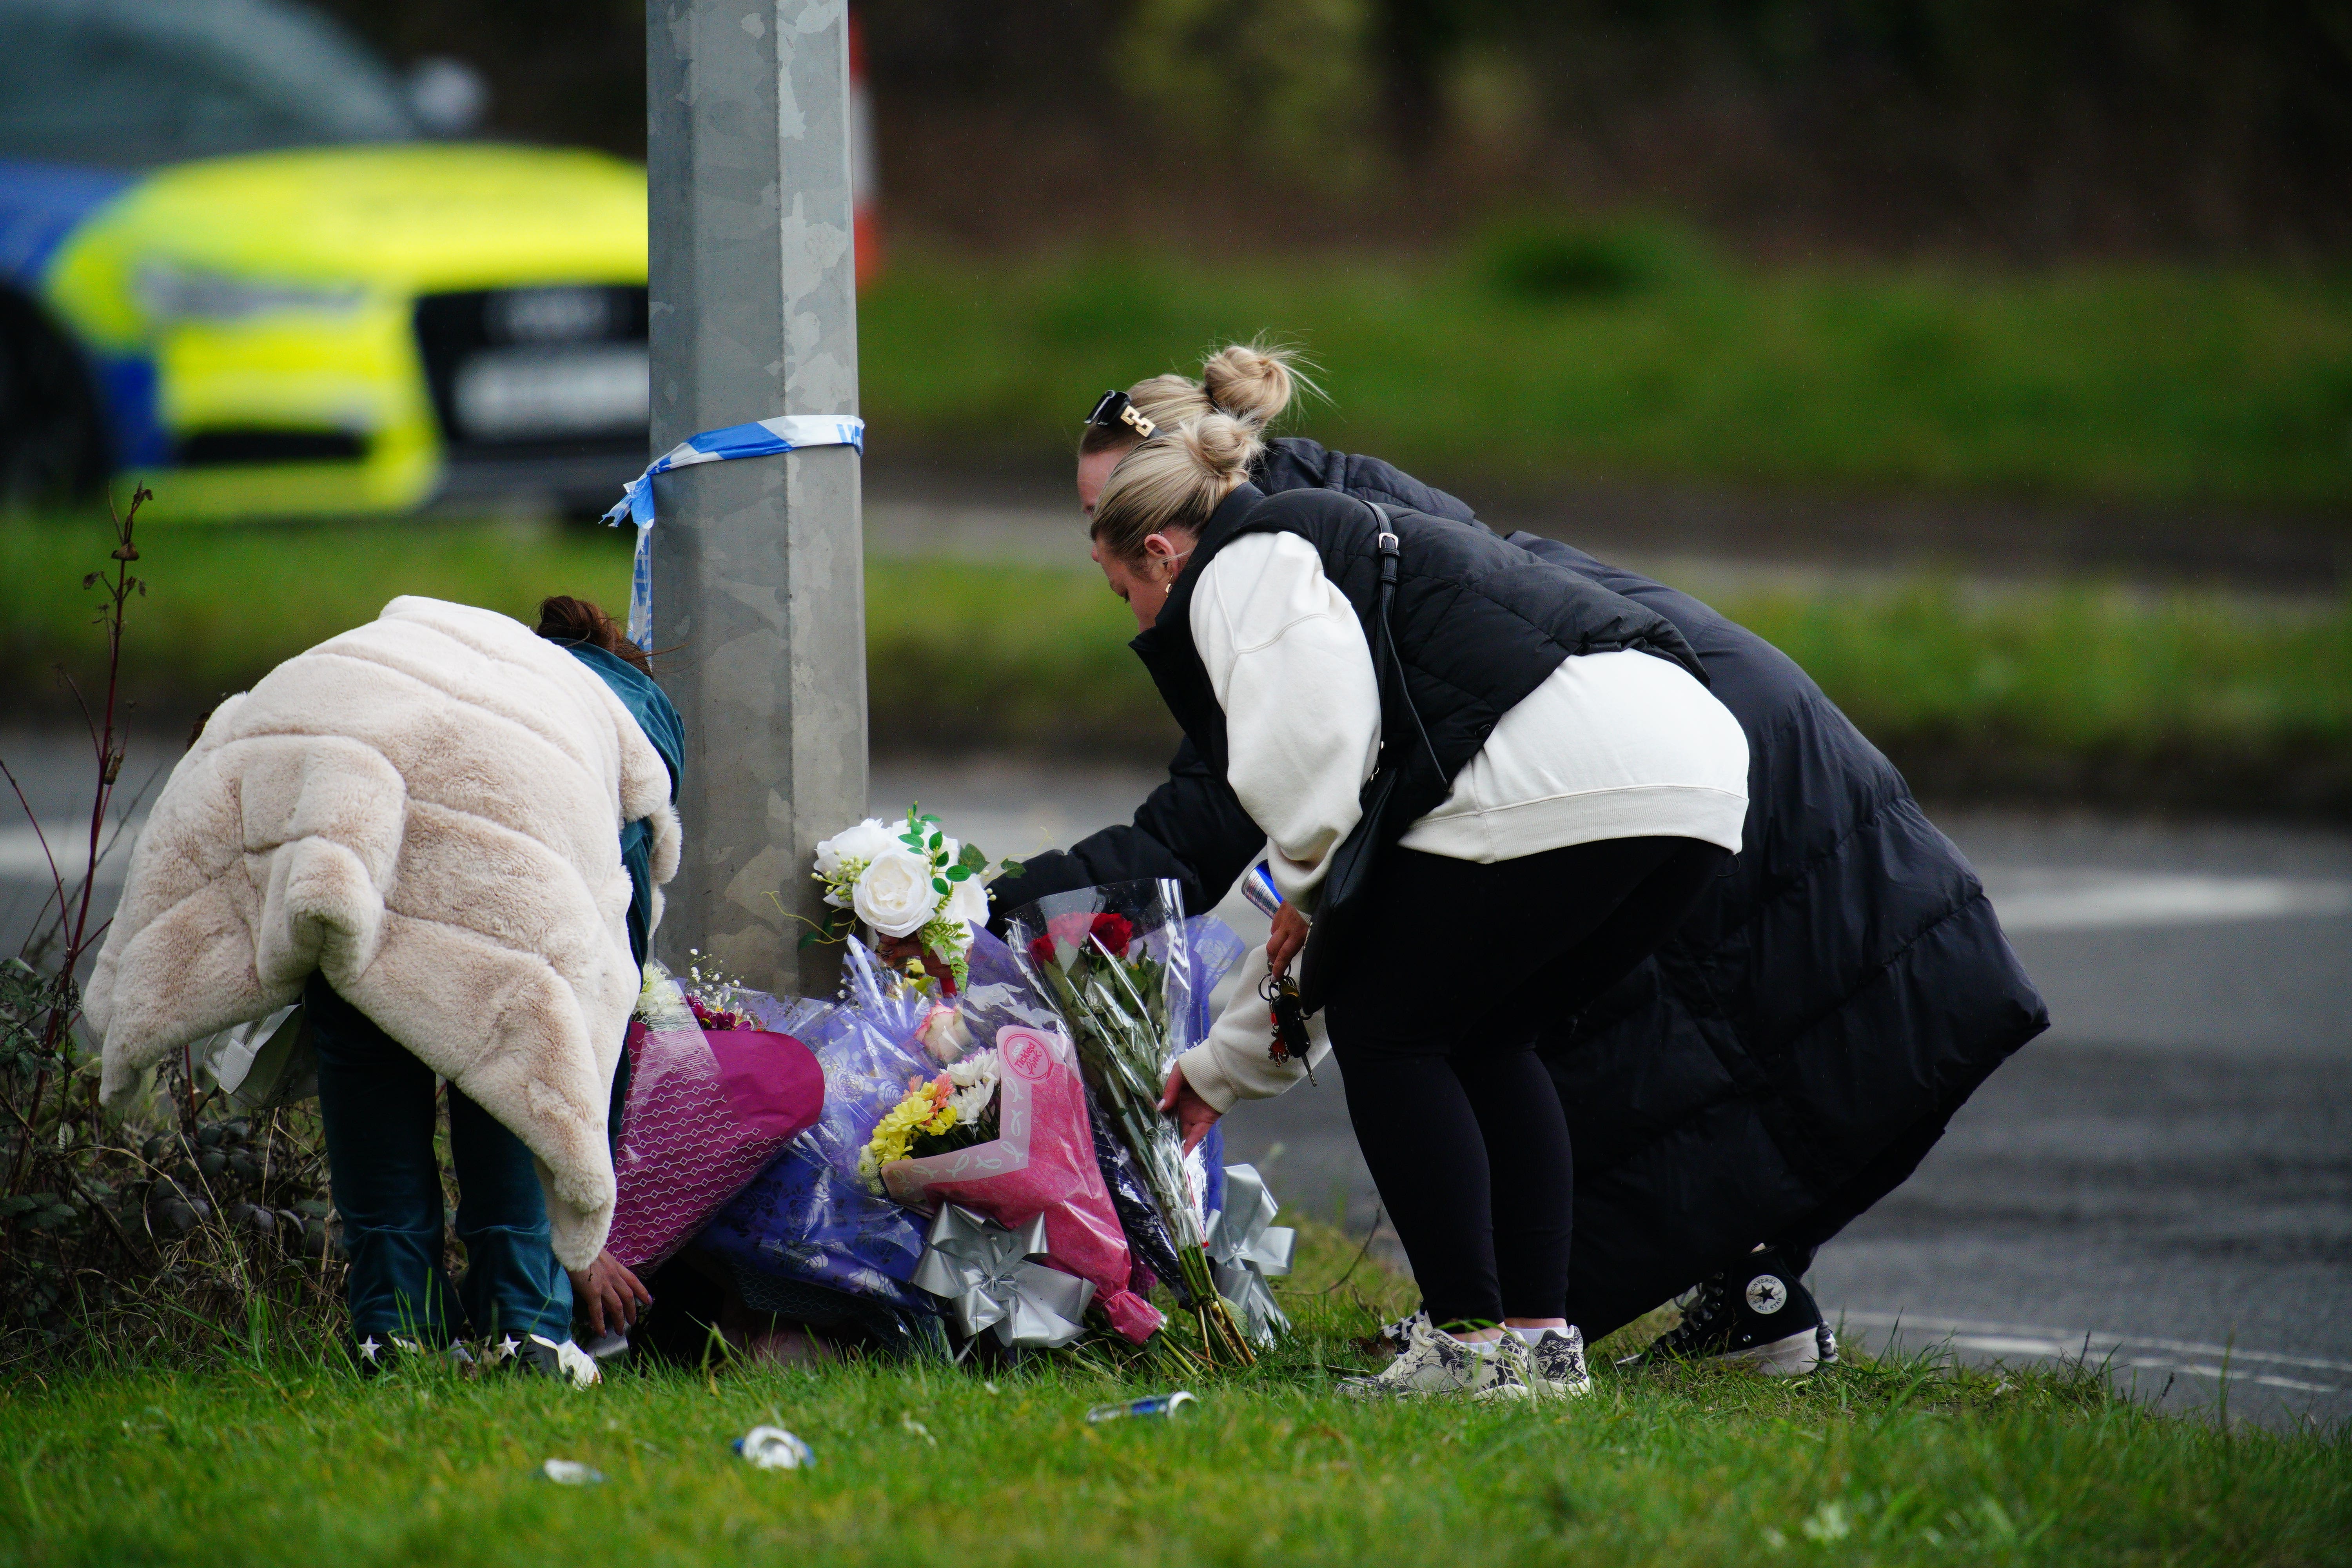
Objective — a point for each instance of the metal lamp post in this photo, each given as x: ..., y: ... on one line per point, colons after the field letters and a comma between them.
x: 757, y: 565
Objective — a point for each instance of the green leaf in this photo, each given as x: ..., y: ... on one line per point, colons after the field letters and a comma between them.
x: 958, y: 873
x: 972, y: 858
x: 939, y: 886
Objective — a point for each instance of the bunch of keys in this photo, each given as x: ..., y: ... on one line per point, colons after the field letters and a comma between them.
x: 1280, y: 991
x: 1290, y: 1041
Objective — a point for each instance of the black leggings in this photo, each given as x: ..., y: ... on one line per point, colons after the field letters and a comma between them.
x: 1434, y: 1024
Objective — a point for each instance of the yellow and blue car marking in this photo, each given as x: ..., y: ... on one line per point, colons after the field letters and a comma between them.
x: 348, y: 328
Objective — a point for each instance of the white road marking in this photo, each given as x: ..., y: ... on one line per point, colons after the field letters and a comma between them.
x: 2060, y: 1344
x: 2062, y: 898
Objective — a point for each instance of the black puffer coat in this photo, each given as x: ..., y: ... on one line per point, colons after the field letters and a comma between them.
x: 1791, y: 1054
x: 1786, y: 1058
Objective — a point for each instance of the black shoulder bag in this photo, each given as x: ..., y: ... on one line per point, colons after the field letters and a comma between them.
x: 1350, y: 876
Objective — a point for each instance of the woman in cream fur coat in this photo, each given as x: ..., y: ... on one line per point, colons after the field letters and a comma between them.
x: 425, y: 828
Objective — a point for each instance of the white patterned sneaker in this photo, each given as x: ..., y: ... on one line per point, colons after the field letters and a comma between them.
x: 1432, y: 1362
x: 1556, y: 1368
x: 1399, y: 1333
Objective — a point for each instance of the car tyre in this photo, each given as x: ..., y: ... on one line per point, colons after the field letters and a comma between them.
x: 52, y: 449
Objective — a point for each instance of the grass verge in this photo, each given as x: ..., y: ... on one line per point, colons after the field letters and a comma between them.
x: 1638, y: 354
x: 276, y: 1455
x: 2072, y: 693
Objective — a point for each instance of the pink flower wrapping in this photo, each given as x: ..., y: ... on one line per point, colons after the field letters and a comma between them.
x: 1041, y: 1162
x: 706, y: 1113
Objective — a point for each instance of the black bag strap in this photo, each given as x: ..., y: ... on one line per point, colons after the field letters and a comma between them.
x: 1386, y: 672
x: 1350, y: 875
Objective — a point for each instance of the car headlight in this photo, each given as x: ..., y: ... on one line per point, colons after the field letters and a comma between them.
x: 171, y: 292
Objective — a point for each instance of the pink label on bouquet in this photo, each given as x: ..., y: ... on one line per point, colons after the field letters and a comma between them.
x: 1042, y: 1161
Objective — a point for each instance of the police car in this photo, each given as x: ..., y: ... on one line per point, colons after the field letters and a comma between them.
x: 237, y: 263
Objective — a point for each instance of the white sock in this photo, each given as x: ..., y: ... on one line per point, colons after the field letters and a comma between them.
x: 1535, y: 1336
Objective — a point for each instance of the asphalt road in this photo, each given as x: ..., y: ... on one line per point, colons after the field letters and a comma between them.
x: 2162, y: 1183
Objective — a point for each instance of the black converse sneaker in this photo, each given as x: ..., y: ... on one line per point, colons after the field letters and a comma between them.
x: 382, y: 1357
x: 1758, y: 1315
x: 1435, y: 1363
x: 1556, y: 1368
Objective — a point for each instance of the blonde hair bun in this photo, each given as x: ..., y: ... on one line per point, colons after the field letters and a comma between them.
x: 1222, y: 446
x: 1253, y: 382
x: 1173, y: 480
x: 1249, y: 382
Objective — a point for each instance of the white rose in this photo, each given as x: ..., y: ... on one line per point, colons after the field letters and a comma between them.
x: 968, y: 902
x: 863, y: 842
x: 894, y: 893
x: 945, y: 1036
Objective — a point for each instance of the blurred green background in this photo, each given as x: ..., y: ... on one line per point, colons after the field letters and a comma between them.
x: 1542, y: 347
x: 2042, y: 692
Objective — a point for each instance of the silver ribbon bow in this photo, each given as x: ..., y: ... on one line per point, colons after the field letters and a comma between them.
x: 1246, y: 1247
x: 983, y: 1272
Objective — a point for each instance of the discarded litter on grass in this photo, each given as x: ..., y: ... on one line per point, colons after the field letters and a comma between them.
x: 572, y: 1473
x: 773, y: 1448
x: 1151, y: 1404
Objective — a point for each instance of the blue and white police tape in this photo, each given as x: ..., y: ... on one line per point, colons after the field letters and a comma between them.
x: 761, y: 438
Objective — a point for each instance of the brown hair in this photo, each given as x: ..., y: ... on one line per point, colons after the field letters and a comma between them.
x: 1253, y: 382
x: 574, y: 622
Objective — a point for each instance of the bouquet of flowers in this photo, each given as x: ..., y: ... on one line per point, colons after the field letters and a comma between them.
x: 955, y: 1110
x: 910, y: 884
x: 810, y: 1218
x: 714, y: 1094
x: 1019, y: 1145
x: 1117, y: 962
x: 918, y: 1116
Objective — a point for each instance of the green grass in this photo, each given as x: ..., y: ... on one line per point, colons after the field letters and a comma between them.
x: 281, y: 1457
x: 2153, y: 385
x: 223, y: 604
x: 2197, y: 698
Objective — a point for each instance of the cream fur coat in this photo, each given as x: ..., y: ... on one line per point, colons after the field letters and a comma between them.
x: 426, y: 810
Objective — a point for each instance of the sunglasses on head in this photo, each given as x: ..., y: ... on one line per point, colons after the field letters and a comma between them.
x: 1116, y: 409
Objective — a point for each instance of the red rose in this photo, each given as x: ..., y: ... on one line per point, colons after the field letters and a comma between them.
x: 1114, y: 932
x: 1041, y: 952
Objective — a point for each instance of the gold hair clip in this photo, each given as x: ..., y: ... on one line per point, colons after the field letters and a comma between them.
x: 1116, y: 408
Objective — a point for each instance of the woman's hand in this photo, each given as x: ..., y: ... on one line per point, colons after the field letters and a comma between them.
x: 607, y: 1291
x: 1288, y: 936
x: 1194, y: 1116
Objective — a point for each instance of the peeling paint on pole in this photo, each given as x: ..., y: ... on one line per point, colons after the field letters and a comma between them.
x: 757, y: 566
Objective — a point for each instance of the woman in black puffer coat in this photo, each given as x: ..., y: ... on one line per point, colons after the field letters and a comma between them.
x: 1784, y: 1060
